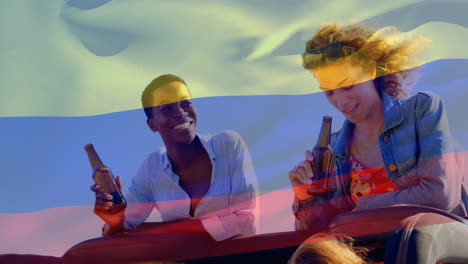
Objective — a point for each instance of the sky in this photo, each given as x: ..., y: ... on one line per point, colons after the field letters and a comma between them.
x: 72, y: 73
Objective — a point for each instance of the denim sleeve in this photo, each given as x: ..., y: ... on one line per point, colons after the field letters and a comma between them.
x: 439, y: 174
x: 240, y: 217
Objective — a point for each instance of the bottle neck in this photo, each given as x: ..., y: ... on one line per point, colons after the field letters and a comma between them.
x: 325, y: 132
x: 93, y: 157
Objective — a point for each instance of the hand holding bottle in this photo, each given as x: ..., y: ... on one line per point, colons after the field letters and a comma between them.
x: 301, y: 176
x: 109, y: 202
x: 103, y: 206
x: 311, y: 177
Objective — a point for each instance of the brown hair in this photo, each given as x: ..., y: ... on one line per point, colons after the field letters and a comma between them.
x: 146, y: 98
x: 393, y: 57
x: 328, y: 249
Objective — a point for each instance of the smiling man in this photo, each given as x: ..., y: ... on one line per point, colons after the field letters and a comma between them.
x: 199, y: 183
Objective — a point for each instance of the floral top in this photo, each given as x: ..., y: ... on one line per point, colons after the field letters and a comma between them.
x: 368, y: 181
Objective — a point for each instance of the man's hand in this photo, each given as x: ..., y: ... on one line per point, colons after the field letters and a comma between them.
x: 102, y: 206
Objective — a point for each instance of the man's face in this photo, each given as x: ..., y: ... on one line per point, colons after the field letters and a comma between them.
x: 174, y: 115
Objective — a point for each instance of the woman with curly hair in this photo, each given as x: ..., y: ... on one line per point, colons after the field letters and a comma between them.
x: 391, y: 149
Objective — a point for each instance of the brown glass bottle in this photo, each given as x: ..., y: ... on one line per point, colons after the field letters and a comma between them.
x: 323, y: 160
x: 103, y: 176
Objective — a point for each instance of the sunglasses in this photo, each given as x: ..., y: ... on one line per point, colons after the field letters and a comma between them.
x: 332, y: 51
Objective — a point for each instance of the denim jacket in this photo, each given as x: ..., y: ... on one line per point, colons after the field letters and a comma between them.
x: 419, y: 156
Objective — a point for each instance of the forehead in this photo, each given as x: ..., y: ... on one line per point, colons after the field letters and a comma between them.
x: 170, y: 93
x: 343, y: 74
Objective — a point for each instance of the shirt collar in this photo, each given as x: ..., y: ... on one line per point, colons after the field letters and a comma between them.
x: 166, y: 164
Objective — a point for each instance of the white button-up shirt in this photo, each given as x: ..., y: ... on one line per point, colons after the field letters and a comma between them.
x: 228, y: 208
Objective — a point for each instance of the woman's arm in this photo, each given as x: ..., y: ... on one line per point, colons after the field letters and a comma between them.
x: 312, y: 214
x: 439, y: 173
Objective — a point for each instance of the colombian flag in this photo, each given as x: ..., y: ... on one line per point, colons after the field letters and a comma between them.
x: 72, y: 72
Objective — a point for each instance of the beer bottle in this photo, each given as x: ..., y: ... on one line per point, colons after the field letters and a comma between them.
x: 102, y: 175
x: 323, y: 160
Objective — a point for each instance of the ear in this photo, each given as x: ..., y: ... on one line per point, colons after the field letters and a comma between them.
x: 152, y: 125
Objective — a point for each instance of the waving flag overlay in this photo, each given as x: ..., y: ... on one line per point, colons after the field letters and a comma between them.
x: 72, y: 73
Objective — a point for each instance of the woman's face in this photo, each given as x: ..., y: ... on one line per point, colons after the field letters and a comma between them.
x: 350, y: 89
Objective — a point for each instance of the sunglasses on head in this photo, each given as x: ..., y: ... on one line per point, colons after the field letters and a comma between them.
x: 332, y: 51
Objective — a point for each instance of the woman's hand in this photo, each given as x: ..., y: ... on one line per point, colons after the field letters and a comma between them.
x: 301, y: 176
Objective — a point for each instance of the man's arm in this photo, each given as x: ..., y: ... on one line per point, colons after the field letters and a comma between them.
x: 240, y: 217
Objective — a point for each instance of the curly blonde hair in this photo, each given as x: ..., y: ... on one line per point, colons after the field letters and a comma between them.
x: 364, y: 45
x: 324, y: 248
